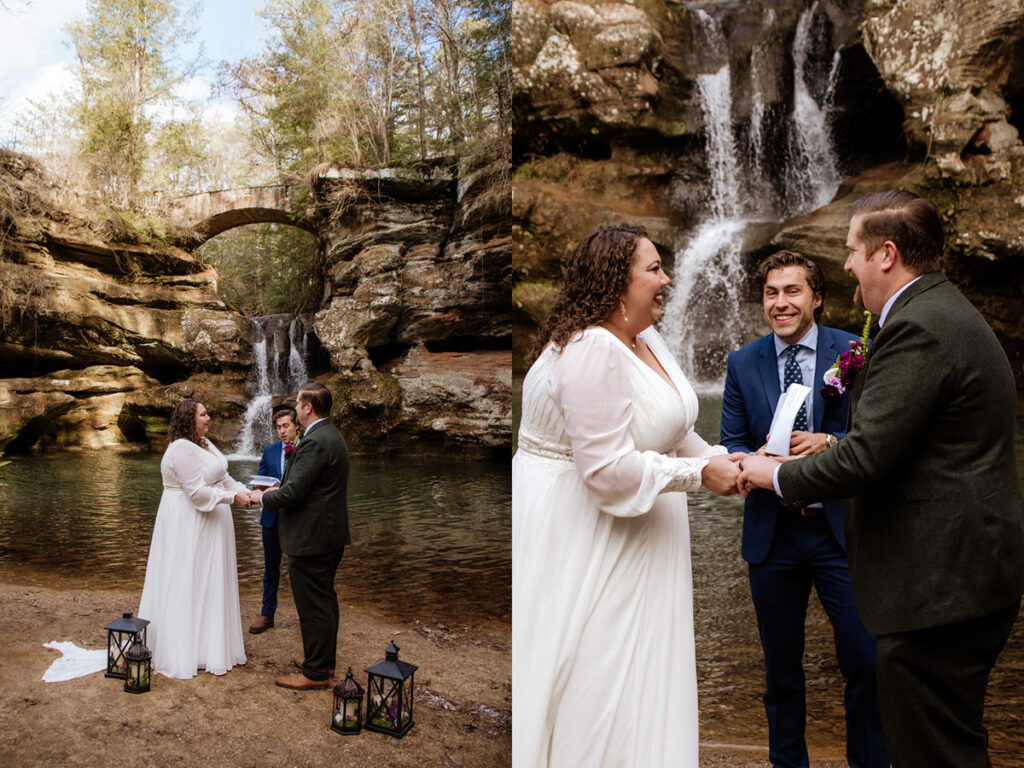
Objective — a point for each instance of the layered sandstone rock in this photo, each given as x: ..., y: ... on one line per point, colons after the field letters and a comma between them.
x: 72, y: 408
x: 418, y: 268
x: 949, y: 77
x: 97, y: 309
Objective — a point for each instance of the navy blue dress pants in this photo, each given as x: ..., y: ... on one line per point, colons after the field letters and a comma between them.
x: 805, y: 553
x: 271, y: 569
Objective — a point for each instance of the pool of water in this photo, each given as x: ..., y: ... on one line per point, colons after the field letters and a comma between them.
x: 430, y: 539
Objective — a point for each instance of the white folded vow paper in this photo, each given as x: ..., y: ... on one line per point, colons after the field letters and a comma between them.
x: 782, y: 422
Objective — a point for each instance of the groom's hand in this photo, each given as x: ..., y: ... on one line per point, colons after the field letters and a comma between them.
x: 756, y: 472
x: 806, y: 443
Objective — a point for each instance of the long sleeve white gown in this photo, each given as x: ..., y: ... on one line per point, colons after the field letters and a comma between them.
x: 603, y: 665
x: 190, y: 595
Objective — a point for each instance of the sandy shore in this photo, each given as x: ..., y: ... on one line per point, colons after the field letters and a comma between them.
x: 462, y: 707
x: 463, y: 697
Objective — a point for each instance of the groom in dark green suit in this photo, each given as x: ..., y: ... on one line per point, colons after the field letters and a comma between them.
x: 934, y: 530
x: 312, y: 508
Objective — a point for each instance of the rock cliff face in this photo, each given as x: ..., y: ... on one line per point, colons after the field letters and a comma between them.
x: 95, y: 309
x: 416, y: 312
x: 105, y: 327
x: 611, y: 125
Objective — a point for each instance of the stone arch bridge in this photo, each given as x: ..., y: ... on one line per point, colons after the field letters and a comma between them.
x: 210, y: 213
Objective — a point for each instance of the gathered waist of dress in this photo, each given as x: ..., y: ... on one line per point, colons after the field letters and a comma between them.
x: 543, y: 448
x: 173, y: 487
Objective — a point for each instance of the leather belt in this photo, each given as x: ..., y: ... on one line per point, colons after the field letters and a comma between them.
x: 807, y: 511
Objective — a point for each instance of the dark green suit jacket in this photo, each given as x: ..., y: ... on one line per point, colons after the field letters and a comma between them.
x: 312, y: 502
x: 934, y: 530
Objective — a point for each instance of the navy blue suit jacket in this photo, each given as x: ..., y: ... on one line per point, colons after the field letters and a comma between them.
x: 270, y: 466
x: 751, y: 393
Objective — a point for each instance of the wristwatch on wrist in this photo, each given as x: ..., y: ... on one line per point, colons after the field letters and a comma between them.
x: 830, y: 440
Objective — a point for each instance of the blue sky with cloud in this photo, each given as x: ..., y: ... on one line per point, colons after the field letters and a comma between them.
x: 35, y: 57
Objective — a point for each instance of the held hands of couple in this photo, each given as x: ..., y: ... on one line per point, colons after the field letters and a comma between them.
x: 758, y: 471
x: 721, y: 472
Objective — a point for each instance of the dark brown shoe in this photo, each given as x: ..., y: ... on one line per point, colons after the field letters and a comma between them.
x: 299, y: 682
x: 262, y: 624
x: 299, y: 663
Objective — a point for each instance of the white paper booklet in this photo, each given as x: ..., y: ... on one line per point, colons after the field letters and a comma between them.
x: 785, y: 414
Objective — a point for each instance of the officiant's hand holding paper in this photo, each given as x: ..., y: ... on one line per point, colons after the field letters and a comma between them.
x: 782, y: 422
x: 807, y: 443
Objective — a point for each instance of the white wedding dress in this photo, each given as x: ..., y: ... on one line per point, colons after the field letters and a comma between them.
x: 603, y: 665
x: 191, y: 591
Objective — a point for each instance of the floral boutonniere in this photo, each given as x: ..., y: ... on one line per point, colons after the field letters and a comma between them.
x: 289, y: 449
x: 840, y: 376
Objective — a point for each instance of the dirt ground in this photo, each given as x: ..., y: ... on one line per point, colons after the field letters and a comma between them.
x: 241, y: 719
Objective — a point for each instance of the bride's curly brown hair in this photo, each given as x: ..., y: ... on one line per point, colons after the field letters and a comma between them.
x: 183, y: 423
x: 597, y: 274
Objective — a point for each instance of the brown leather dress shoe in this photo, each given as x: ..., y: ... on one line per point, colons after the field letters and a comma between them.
x: 300, y: 663
x: 299, y: 682
x: 262, y: 624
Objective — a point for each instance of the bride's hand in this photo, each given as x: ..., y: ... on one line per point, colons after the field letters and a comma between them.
x: 720, y: 473
x: 242, y: 499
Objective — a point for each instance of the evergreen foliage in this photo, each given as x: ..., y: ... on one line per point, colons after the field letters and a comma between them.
x: 265, y: 269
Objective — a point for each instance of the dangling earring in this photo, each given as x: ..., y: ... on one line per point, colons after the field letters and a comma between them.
x: 622, y: 310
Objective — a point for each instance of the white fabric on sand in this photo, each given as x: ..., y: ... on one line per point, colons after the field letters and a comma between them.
x: 603, y: 666
x: 74, y: 662
x: 191, y: 589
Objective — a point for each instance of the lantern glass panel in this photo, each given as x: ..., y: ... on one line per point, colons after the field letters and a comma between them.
x: 118, y: 644
x: 347, y: 714
x: 120, y: 636
x: 139, y: 661
x: 389, y: 710
x: 137, y: 680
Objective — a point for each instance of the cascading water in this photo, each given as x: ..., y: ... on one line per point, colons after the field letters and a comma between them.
x: 705, y: 294
x: 297, y: 373
x: 816, y: 174
x: 279, y: 367
x: 703, y: 320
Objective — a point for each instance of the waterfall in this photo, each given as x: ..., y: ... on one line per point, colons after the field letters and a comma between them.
x: 297, y: 373
x: 279, y: 353
x: 703, y: 318
x: 701, y: 321
x: 815, y: 166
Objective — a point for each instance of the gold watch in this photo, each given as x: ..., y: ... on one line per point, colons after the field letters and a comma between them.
x: 830, y: 440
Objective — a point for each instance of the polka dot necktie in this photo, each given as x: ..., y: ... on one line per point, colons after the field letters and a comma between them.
x: 791, y: 375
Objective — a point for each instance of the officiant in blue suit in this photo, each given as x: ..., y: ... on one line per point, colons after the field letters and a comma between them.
x: 790, y: 550
x: 272, y: 463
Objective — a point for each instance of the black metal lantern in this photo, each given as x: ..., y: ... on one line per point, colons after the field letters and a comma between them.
x: 389, y: 694
x: 120, y: 636
x: 139, y: 662
x: 347, y: 714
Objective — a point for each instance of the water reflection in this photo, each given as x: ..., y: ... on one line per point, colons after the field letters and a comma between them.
x: 430, y: 540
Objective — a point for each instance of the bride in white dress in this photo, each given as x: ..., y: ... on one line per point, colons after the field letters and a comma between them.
x: 603, y: 665
x: 191, y: 591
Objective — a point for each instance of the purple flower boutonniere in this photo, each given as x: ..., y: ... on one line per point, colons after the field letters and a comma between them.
x: 289, y: 449
x: 839, y: 377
